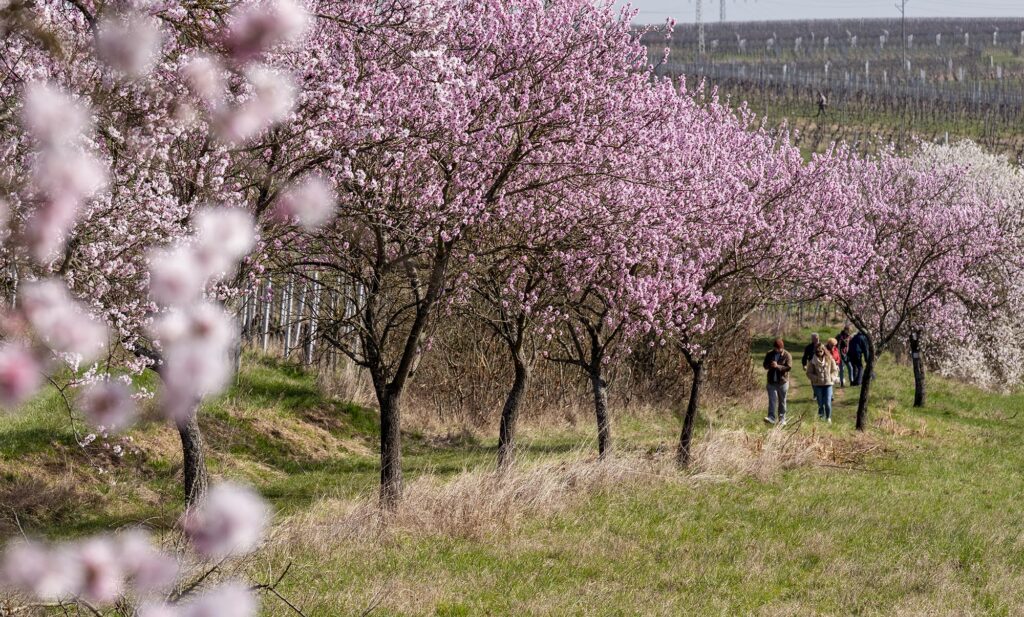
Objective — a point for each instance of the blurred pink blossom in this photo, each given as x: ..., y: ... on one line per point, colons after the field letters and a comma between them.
x: 36, y: 569
x: 230, y: 521
x: 61, y: 322
x: 108, y: 404
x: 175, y: 276
x: 129, y: 44
x: 102, y: 579
x: 20, y: 375
x: 205, y: 78
x: 223, y: 236
x: 257, y: 27
x: 148, y: 570
x: 52, y: 116
x: 311, y: 202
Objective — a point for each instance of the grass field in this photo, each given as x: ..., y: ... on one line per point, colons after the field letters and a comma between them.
x: 919, y: 516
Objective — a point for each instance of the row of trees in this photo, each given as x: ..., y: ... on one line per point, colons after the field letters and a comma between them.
x: 519, y: 163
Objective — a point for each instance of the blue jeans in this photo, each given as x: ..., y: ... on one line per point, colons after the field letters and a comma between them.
x: 823, y: 394
x: 777, y: 393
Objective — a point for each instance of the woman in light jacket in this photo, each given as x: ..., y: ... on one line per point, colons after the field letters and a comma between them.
x: 823, y: 372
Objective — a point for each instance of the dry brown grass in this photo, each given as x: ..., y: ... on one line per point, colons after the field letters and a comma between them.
x: 731, y: 453
x: 478, y: 502
x: 346, y: 382
x: 885, y: 422
x: 482, y: 502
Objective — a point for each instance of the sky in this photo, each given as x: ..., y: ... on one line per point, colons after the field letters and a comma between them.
x: 655, y: 11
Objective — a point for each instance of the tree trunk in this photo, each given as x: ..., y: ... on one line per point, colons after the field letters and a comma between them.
x: 686, y: 437
x: 390, y: 449
x: 196, y: 478
x: 268, y: 301
x: 510, y: 412
x: 604, y: 429
x: 314, y: 315
x: 865, y: 390
x: 918, y: 362
x: 865, y: 384
x: 286, y: 316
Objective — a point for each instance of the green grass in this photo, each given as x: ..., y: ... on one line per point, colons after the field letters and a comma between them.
x: 929, y: 524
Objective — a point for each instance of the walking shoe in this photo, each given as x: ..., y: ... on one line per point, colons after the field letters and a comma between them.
x: 830, y: 420
x: 769, y: 419
x: 782, y: 422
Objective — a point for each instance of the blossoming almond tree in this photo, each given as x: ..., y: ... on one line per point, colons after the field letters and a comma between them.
x: 970, y: 340
x: 470, y: 109
x: 745, y: 242
x: 131, y: 119
x: 519, y: 270
x: 907, y: 240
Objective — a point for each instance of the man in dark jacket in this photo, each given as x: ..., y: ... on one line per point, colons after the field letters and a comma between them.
x: 810, y: 350
x: 778, y: 363
x: 858, y: 355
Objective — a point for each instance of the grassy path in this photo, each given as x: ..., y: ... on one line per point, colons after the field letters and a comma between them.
x: 929, y: 524
x: 930, y: 527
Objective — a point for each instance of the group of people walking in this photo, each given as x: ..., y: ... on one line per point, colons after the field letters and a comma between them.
x: 835, y: 361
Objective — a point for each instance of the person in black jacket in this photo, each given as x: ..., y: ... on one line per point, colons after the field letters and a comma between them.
x: 858, y: 355
x: 810, y: 350
x: 778, y: 363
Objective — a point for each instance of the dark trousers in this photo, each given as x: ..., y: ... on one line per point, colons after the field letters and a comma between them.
x: 858, y: 370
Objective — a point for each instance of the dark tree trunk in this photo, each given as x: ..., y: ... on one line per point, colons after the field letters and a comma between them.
x: 390, y: 449
x: 693, y: 406
x: 604, y: 429
x: 865, y: 391
x: 865, y: 384
x: 919, y: 377
x: 510, y: 412
x: 196, y: 478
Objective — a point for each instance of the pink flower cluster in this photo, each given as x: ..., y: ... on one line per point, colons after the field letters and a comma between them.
x: 65, y: 173
x: 101, y: 569
x: 196, y: 336
x: 62, y: 323
x: 98, y: 570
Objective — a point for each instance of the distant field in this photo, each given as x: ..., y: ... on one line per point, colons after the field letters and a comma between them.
x: 961, y: 78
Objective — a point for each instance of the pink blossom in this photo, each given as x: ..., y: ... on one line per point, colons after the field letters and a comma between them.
x: 69, y: 174
x: 102, y: 579
x: 176, y: 276
x: 201, y: 325
x: 190, y: 372
x: 159, y: 610
x: 205, y: 78
x: 230, y: 521
x: 228, y: 600
x: 270, y: 102
x: 52, y: 116
x: 20, y: 375
x: 65, y: 178
x: 108, y: 404
x: 257, y: 27
x: 311, y: 202
x: 148, y: 570
x: 222, y: 237
x: 35, y: 569
x: 130, y: 44
x: 61, y: 322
